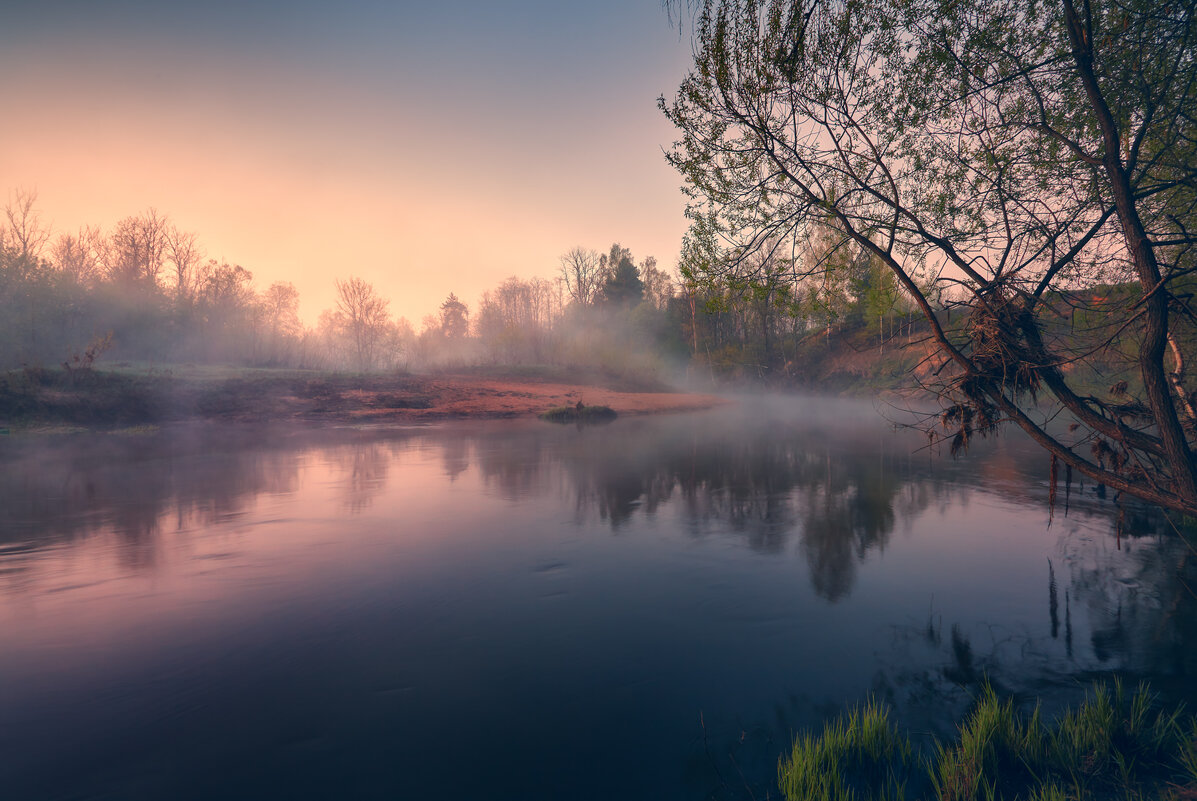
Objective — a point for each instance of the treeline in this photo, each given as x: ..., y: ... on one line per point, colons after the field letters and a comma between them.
x: 141, y: 291
x: 145, y: 292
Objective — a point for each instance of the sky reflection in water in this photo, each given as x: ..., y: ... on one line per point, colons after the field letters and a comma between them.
x: 643, y: 610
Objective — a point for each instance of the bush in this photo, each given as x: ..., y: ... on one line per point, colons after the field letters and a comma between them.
x: 572, y: 414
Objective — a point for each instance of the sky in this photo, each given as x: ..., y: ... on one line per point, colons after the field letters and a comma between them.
x: 426, y: 147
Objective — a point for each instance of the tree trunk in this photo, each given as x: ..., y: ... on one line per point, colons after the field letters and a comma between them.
x: 1155, y: 331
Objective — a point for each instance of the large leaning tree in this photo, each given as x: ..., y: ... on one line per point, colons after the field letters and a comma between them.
x: 1036, y: 159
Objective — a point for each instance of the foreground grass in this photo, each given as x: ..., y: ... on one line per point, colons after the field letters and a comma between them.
x: 1115, y: 745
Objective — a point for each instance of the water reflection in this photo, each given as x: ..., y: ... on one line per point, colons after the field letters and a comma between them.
x: 696, y: 588
x: 362, y: 471
x: 766, y: 482
x: 839, y: 490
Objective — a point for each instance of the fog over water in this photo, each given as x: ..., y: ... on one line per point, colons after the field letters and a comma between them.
x: 648, y: 609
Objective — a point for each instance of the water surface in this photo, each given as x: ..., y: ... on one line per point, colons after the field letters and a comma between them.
x: 648, y: 609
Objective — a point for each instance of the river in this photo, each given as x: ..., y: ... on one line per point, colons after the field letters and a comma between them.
x: 644, y: 610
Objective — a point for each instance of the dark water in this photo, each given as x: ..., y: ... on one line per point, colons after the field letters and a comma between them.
x: 646, y: 610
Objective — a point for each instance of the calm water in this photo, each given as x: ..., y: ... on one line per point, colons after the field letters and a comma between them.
x: 645, y: 610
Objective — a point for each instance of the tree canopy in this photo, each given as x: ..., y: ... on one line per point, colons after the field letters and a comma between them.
x: 1023, y: 159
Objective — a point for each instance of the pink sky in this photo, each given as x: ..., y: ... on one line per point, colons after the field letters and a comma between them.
x: 423, y: 152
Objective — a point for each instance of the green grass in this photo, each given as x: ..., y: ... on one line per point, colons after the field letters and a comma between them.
x: 571, y: 414
x: 1115, y: 745
x: 860, y: 756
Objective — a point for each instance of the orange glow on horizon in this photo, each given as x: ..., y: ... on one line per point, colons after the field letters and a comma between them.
x: 306, y: 177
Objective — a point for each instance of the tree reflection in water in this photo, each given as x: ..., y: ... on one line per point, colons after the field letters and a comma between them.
x: 1134, y: 596
x: 363, y: 467
x: 136, y: 487
x: 764, y: 481
x: 838, y: 486
x: 830, y: 491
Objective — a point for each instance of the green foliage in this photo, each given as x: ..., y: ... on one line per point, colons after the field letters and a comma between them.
x: 990, y: 153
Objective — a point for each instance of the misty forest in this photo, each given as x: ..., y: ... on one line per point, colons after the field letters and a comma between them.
x: 879, y: 485
x: 146, y: 293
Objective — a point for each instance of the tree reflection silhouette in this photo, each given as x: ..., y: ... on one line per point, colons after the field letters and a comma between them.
x: 363, y: 467
x: 835, y: 491
x: 763, y: 482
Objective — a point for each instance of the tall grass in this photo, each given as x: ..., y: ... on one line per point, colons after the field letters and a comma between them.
x: 861, y: 756
x: 1115, y: 745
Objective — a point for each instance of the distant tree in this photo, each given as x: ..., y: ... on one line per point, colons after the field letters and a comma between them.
x: 835, y: 270
x: 580, y: 269
x: 183, y: 250
x: 622, y: 286
x: 430, y: 326
x: 26, y: 233
x: 658, y: 284
x: 280, y: 309
x: 515, y: 320
x: 225, y: 286
x: 401, y: 343
x: 455, y: 318
x: 223, y: 322
x: 77, y: 256
x: 766, y: 297
x: 136, y: 249
x: 281, y: 301
x: 428, y: 344
x: 363, y: 316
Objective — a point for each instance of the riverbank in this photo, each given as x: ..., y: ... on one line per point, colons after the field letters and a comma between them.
x: 36, y: 397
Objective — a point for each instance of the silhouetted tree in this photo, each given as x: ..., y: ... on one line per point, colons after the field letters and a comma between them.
x: 26, y: 234
x: 455, y: 318
x: 622, y: 286
x: 137, y: 249
x: 185, y: 254
x: 363, y: 316
x: 580, y: 269
x: 658, y: 284
x: 280, y: 305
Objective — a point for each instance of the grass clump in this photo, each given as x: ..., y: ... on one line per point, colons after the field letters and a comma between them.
x: 574, y: 414
x: 857, y: 758
x: 1115, y: 745
x: 996, y: 745
x: 1120, y: 745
